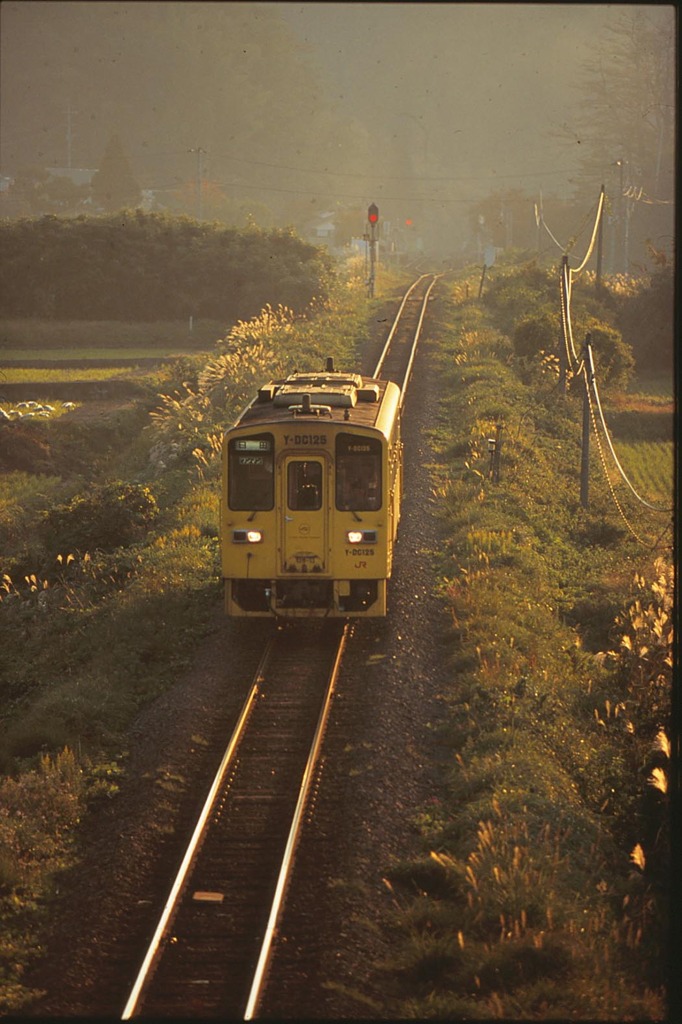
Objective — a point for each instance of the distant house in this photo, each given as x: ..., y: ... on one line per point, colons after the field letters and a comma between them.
x: 12, y: 205
x: 321, y: 230
x: 150, y: 202
x: 76, y: 175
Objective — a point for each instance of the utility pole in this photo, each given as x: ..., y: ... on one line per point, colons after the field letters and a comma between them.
x: 69, y: 135
x: 481, y: 282
x: 373, y: 219
x: 538, y: 221
x: 620, y: 164
x: 585, y: 451
x: 197, y: 180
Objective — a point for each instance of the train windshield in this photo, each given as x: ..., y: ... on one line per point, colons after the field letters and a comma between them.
x: 358, y: 473
x: 251, y: 473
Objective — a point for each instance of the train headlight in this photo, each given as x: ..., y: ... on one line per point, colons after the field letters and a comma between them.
x: 361, y: 536
x: 247, y: 536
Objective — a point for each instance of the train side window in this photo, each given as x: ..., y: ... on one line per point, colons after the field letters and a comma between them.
x: 304, y: 486
x: 358, y: 473
x: 251, y: 478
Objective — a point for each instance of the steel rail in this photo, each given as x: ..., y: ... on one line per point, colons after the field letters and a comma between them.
x: 408, y: 371
x: 258, y: 982
x: 176, y: 889
x: 377, y: 370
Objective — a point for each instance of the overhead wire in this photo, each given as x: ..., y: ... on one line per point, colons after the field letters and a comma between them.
x: 566, y: 248
x: 567, y: 275
x: 379, y: 175
x: 654, y: 508
x: 603, y: 462
x: 577, y: 367
x: 595, y: 231
x: 638, y: 194
x: 571, y: 354
x: 554, y: 239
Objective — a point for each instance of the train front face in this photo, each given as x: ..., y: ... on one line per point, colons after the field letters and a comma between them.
x: 310, y: 506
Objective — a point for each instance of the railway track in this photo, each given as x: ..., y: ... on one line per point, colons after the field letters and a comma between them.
x: 210, y: 950
x: 209, y: 953
x: 397, y: 357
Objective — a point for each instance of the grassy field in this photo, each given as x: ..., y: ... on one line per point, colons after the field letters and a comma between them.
x: 640, y: 423
x: 30, y: 375
x: 653, y: 389
x: 649, y: 466
x: 172, y: 336
x: 130, y: 354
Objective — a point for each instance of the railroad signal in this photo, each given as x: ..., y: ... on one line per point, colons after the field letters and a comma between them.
x: 373, y: 218
x: 408, y: 222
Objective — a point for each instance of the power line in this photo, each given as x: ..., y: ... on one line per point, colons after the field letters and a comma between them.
x: 587, y: 369
x: 595, y: 230
x: 331, y: 195
x: 390, y: 177
x: 604, y: 466
x: 654, y: 508
x: 638, y: 194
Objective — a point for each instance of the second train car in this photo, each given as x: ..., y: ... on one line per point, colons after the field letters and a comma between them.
x: 311, y: 492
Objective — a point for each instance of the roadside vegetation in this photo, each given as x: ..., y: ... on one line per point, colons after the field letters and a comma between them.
x: 542, y: 886
x: 110, y: 581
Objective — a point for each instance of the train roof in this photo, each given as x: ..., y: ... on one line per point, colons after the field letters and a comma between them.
x: 328, y: 395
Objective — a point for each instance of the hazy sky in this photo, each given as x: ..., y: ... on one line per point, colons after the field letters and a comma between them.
x: 485, y: 83
x: 305, y: 104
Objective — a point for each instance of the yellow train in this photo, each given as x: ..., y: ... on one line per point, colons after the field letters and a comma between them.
x: 311, y: 492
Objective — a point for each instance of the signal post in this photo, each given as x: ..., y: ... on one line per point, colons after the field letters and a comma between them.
x: 373, y: 219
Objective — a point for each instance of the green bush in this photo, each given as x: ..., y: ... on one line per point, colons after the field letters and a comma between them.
x: 149, y: 267
x: 613, y: 359
x: 538, y: 332
x: 647, y: 321
x: 108, y: 516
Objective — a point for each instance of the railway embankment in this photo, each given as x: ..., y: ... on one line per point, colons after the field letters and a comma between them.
x: 543, y: 884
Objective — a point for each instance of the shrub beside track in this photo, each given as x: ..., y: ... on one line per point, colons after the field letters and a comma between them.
x: 544, y: 882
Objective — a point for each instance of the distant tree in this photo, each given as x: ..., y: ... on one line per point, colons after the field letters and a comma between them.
x: 349, y: 222
x: 113, y: 185
x: 624, y: 122
x: 647, y: 320
x: 42, y: 193
x: 629, y: 101
x: 30, y: 187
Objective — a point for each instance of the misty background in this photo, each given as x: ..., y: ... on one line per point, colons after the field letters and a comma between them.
x: 459, y: 120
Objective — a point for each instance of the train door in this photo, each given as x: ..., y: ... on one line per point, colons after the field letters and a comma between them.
x: 304, y: 503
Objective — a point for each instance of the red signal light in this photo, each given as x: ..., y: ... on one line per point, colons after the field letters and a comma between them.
x: 373, y: 214
x: 408, y: 222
